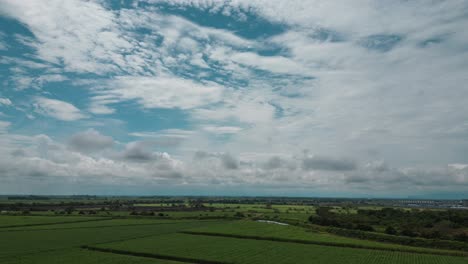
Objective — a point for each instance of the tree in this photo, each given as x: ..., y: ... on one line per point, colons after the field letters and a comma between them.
x: 239, y: 214
x: 365, y: 227
x: 408, y: 232
x: 391, y: 230
x: 69, y: 210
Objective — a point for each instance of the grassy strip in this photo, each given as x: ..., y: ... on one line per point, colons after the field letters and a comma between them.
x: 153, y: 255
x: 323, y: 243
x: 57, y: 223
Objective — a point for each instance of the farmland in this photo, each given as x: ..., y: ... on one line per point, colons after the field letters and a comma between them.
x: 233, y: 250
x: 143, y: 230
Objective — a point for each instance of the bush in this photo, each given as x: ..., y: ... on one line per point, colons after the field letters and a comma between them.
x: 408, y: 232
x: 239, y: 214
x: 391, y: 230
x: 364, y: 227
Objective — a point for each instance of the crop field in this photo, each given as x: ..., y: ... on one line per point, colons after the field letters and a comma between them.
x: 80, y: 256
x: 234, y: 250
x: 12, y: 221
x: 107, y: 222
x: 257, y: 230
x: 214, y: 233
x: 22, y: 245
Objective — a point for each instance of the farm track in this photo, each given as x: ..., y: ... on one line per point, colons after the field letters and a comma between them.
x: 57, y: 223
x: 152, y: 255
x: 321, y: 243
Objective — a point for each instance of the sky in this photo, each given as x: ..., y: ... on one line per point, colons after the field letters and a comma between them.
x: 234, y: 97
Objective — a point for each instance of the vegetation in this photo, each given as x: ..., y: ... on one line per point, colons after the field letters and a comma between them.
x: 232, y: 250
x: 294, y: 234
x: 433, y: 225
x: 216, y: 231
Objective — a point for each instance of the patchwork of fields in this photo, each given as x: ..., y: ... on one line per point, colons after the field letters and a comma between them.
x: 73, y: 239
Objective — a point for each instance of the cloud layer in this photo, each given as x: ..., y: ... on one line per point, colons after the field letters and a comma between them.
x: 326, y: 97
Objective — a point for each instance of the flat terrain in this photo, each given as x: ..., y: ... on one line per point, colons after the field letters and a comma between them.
x: 17, y: 220
x: 82, y: 239
x: 234, y: 250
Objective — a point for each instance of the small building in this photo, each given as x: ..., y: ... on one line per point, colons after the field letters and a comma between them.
x: 465, y: 203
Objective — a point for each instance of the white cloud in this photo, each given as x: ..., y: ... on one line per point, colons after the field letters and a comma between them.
x: 164, y: 138
x: 57, y: 109
x: 385, y: 81
x: 5, y: 101
x: 90, y: 141
x: 275, y: 64
x: 180, y: 133
x: 81, y: 33
x: 239, y: 106
x: 349, y: 18
x: 3, y: 45
x: 88, y: 38
x: 222, y: 129
x: 43, y: 159
x: 160, y: 92
x: 99, y: 108
x: 4, y: 125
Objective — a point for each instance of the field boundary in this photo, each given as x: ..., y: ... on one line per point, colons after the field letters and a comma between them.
x: 91, y: 227
x: 58, y: 223
x: 330, y: 244
x: 153, y: 255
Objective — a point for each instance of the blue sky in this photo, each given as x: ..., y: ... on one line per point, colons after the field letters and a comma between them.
x: 312, y: 98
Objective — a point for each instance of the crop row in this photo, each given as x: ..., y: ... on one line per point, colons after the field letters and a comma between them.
x: 332, y: 244
x: 247, y: 251
x: 256, y: 230
x: 7, y: 221
x: 34, y: 241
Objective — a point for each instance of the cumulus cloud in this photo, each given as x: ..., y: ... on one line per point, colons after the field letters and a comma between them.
x: 229, y: 162
x: 327, y: 77
x: 277, y: 162
x: 45, y: 159
x: 224, y: 160
x: 57, y: 109
x: 90, y: 141
x: 137, y: 151
x: 324, y: 163
x: 140, y: 151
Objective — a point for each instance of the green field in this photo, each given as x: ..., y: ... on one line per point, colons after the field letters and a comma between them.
x: 13, y: 220
x: 80, y: 256
x: 256, y: 230
x: 183, y: 238
x: 39, y: 240
x: 233, y: 250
